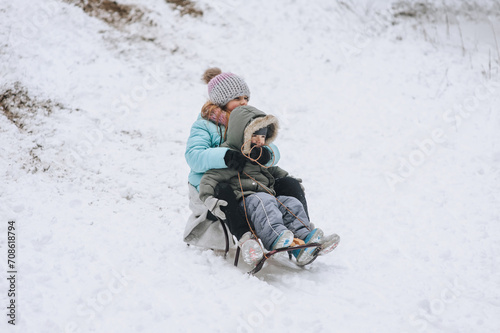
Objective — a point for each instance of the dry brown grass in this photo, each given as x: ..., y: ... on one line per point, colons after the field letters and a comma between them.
x: 410, y: 9
x: 18, y: 107
x: 30, y: 115
x: 186, y: 7
x: 111, y: 12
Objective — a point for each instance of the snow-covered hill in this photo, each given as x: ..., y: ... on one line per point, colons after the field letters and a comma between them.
x: 389, y: 113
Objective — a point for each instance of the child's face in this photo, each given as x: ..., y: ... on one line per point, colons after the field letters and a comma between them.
x: 238, y: 101
x: 258, y: 140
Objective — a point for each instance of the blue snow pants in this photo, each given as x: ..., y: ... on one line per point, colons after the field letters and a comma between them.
x: 270, y: 218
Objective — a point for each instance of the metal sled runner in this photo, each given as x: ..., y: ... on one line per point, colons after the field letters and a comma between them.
x: 269, y: 254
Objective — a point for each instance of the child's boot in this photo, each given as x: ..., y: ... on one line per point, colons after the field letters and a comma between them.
x: 306, y: 256
x: 285, y: 239
x: 328, y: 243
x: 251, y: 250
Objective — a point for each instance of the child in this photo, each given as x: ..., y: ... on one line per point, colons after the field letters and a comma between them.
x: 275, y: 223
x: 226, y: 91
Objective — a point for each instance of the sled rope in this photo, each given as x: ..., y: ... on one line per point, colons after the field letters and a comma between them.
x: 264, y: 187
x: 246, y: 217
x: 255, y: 160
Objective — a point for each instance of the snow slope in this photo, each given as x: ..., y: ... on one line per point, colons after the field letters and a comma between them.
x: 389, y: 114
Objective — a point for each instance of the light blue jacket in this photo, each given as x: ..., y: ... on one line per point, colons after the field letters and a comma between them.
x: 204, y: 135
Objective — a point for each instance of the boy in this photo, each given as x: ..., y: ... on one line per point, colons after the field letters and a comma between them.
x: 277, y: 221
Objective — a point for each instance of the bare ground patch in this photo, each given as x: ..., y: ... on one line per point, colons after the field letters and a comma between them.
x: 30, y: 115
x: 111, y: 12
x: 185, y: 7
x: 19, y: 107
x: 406, y: 9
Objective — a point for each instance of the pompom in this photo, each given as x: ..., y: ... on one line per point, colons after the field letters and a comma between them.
x: 210, y: 74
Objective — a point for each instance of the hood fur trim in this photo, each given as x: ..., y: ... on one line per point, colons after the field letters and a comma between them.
x: 269, y: 121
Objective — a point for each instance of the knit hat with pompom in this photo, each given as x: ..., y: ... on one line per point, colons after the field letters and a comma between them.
x: 223, y: 87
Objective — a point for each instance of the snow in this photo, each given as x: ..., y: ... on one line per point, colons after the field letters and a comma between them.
x: 390, y: 119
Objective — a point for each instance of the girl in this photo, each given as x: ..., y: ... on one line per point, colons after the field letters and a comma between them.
x: 226, y: 91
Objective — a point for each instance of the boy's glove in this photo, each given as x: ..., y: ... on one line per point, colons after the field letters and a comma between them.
x: 235, y: 160
x: 214, y: 205
x: 264, y: 157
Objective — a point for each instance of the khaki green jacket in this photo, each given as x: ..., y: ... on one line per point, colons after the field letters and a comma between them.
x: 243, y: 122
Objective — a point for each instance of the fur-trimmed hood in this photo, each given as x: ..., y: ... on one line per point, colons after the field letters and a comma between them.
x: 243, y: 122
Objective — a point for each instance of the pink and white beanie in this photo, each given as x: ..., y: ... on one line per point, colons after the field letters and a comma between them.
x: 225, y: 87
